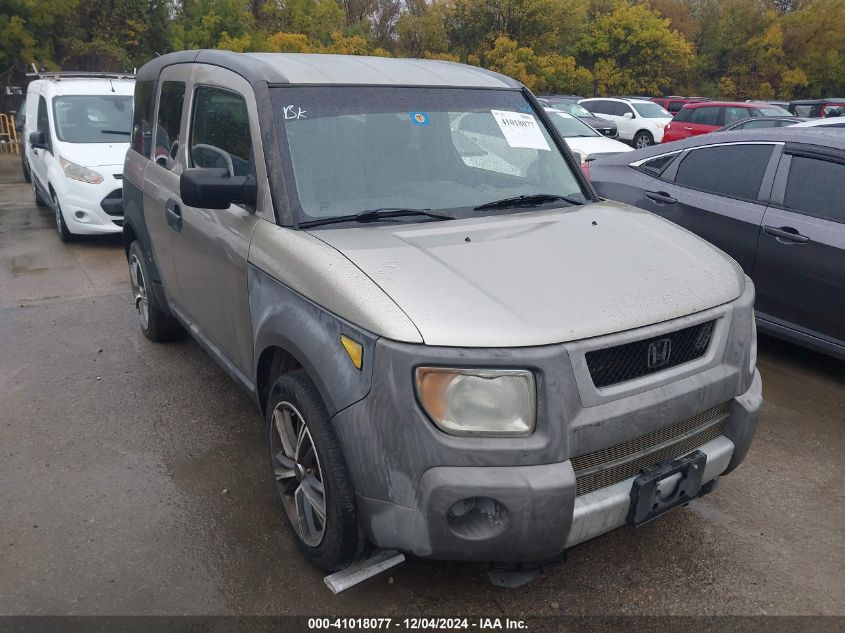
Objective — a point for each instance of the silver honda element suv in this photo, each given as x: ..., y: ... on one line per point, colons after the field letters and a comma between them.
x: 459, y: 350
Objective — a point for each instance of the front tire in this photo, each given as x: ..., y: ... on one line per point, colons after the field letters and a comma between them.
x: 27, y: 176
x: 39, y: 201
x: 310, y: 473
x: 643, y: 139
x: 64, y: 233
x: 155, y: 324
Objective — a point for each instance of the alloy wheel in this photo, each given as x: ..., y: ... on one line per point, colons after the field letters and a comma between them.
x: 139, y: 290
x: 299, y: 479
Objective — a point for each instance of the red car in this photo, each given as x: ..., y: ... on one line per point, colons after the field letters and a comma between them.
x: 706, y: 116
x: 674, y: 103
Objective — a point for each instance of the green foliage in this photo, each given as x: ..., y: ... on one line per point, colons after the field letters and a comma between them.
x: 726, y: 48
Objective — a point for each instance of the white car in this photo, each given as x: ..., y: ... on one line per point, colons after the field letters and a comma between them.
x: 77, y: 133
x: 582, y: 139
x: 834, y: 122
x: 640, y: 122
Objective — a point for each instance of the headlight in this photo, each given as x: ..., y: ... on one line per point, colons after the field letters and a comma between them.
x: 478, y: 401
x: 80, y: 173
x: 752, y: 357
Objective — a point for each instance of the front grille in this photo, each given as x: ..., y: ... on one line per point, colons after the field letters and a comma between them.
x: 613, y: 464
x: 118, y: 176
x: 112, y: 204
x: 118, y: 222
x: 614, y: 365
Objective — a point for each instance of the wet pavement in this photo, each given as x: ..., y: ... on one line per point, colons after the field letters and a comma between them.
x: 133, y: 479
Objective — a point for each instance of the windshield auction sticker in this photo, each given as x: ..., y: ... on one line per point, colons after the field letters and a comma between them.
x: 521, y: 129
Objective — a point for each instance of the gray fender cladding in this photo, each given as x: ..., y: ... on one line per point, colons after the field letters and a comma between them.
x: 283, y: 318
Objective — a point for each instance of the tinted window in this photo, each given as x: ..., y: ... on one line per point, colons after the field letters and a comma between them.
x: 170, y: 104
x: 657, y: 165
x: 621, y: 109
x: 772, y: 111
x: 705, y: 116
x: 733, y: 114
x: 220, y: 135
x: 43, y: 122
x: 684, y: 115
x: 816, y: 187
x: 729, y: 170
x: 675, y: 106
x: 602, y: 107
x: 803, y: 110
x: 142, y: 115
x: 758, y: 123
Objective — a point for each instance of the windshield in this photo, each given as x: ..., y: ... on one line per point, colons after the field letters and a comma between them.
x: 93, y: 118
x: 354, y: 149
x: 651, y: 111
x: 569, y: 126
x: 570, y: 107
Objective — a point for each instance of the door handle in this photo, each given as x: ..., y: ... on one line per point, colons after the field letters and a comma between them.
x: 660, y: 197
x: 786, y: 234
x: 173, y: 213
x: 688, y: 129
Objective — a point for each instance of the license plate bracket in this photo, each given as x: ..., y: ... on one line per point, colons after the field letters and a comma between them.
x: 666, y: 485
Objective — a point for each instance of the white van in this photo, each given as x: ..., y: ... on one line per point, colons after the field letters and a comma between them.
x: 77, y: 133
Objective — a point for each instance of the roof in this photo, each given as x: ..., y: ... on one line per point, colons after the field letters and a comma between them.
x: 312, y: 68
x: 736, y: 104
x: 791, y: 134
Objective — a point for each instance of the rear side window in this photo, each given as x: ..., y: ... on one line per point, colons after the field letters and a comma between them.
x: 170, y: 104
x: 675, y: 106
x: 803, y: 110
x: 705, y: 116
x: 220, y: 135
x: 735, y: 171
x: 142, y: 129
x: 816, y: 187
x: 759, y: 123
x: 656, y: 166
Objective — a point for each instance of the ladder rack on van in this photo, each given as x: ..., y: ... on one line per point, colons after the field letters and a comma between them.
x: 71, y: 74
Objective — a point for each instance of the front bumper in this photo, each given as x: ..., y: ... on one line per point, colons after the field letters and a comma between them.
x: 92, y: 209
x: 408, y: 475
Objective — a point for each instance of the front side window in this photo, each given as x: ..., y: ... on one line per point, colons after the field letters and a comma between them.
x: 354, y: 149
x: 705, y: 116
x: 93, y: 118
x: 220, y: 136
x: 43, y: 122
x: 569, y: 126
x: 733, y: 114
x: 803, y: 110
x: 170, y: 104
x: 816, y: 187
x: 142, y: 129
x: 684, y: 115
x: 651, y: 111
x: 621, y: 109
x: 735, y: 171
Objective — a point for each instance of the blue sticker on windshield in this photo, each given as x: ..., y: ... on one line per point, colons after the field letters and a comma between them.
x: 418, y: 118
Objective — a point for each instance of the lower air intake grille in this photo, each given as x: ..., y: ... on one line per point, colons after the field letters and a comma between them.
x: 614, y: 365
x: 613, y: 464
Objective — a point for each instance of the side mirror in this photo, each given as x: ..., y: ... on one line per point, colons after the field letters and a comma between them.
x: 37, y: 141
x: 628, y: 115
x: 216, y: 189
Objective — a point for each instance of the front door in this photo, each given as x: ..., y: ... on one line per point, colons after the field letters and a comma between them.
x: 161, y: 178
x: 212, y: 246
x: 800, y: 268
x: 40, y: 157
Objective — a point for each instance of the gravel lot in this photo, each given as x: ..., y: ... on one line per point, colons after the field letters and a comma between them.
x: 133, y: 479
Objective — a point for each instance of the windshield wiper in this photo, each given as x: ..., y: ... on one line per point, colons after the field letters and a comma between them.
x: 374, y: 215
x: 533, y: 200
x: 115, y: 132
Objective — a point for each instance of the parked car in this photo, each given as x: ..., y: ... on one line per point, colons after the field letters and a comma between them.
x: 76, y: 137
x: 708, y: 116
x: 674, y: 103
x: 772, y: 200
x: 830, y: 123
x: 639, y: 122
x: 452, y: 359
x: 817, y: 108
x: 759, y: 122
x: 605, y: 127
x: 585, y: 142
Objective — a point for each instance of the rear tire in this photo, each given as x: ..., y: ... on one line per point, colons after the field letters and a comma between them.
x: 155, y: 324
x: 643, y: 139
x: 310, y: 473
x: 64, y: 233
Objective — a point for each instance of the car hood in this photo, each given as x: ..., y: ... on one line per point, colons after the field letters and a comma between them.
x: 93, y: 154
x: 596, y: 145
x: 598, y: 123
x: 537, y: 278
